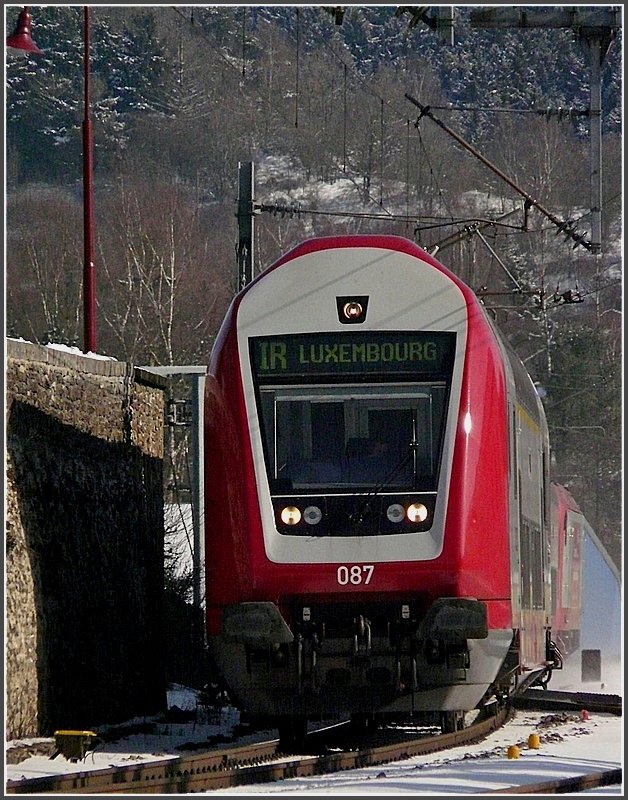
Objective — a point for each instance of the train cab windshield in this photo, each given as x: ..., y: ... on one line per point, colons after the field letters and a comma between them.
x: 351, y: 413
x: 326, y: 438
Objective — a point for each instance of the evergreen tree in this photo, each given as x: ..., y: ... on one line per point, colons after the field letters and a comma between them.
x: 45, y: 93
x: 583, y: 407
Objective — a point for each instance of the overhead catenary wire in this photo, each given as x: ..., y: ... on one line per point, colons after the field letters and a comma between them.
x: 565, y: 226
x: 470, y: 229
x: 229, y: 63
x: 297, y: 210
x: 559, y: 113
x: 433, y: 178
x: 231, y: 66
x: 369, y: 89
x: 491, y: 250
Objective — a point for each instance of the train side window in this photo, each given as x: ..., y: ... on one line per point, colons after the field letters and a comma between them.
x: 569, y: 560
x: 538, y: 557
x: 532, y: 556
x: 526, y: 588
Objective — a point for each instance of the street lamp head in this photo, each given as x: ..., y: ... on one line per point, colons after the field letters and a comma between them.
x: 21, y: 39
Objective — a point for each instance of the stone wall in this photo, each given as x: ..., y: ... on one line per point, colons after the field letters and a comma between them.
x: 84, y: 541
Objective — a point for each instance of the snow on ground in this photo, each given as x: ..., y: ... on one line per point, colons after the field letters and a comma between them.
x: 574, y: 748
x: 284, y: 180
x: 153, y: 738
x: 584, y: 747
x: 579, y: 747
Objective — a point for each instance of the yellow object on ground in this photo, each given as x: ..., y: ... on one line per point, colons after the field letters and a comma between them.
x: 74, y: 744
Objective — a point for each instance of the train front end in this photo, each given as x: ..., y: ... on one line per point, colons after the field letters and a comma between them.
x: 357, y: 553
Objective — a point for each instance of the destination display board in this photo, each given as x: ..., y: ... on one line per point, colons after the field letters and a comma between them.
x: 362, y: 353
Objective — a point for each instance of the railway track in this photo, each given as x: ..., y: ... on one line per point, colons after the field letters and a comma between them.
x: 237, y: 766
x: 546, y: 700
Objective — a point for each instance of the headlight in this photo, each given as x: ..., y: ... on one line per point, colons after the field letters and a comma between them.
x: 312, y: 515
x: 395, y: 512
x: 417, y: 512
x: 290, y: 515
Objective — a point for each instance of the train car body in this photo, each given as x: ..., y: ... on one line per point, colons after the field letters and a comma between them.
x: 567, y: 543
x: 376, y: 490
x: 586, y: 591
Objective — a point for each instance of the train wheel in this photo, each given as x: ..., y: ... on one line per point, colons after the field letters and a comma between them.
x: 451, y: 721
x: 292, y: 732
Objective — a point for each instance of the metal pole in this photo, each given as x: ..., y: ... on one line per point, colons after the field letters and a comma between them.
x: 245, y: 217
x: 198, y: 486
x: 197, y: 454
x: 89, y: 293
x: 594, y: 44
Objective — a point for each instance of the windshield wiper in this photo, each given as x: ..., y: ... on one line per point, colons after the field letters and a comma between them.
x: 357, y: 518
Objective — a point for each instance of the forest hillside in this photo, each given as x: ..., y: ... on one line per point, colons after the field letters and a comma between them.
x: 317, y: 99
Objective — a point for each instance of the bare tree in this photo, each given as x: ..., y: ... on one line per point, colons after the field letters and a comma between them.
x: 162, y: 282
x: 538, y: 154
x: 44, y: 265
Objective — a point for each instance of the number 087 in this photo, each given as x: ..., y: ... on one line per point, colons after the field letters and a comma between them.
x: 355, y: 574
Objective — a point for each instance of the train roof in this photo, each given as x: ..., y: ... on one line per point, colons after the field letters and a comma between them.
x: 385, y: 242
x: 526, y: 391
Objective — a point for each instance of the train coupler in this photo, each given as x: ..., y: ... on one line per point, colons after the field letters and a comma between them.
x: 406, y: 679
x: 307, y: 663
x: 362, y: 639
x: 553, y: 655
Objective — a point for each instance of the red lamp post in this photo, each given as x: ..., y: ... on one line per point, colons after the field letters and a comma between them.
x: 21, y: 40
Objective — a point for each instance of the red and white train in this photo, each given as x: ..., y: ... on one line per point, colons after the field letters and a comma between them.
x: 377, y: 492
